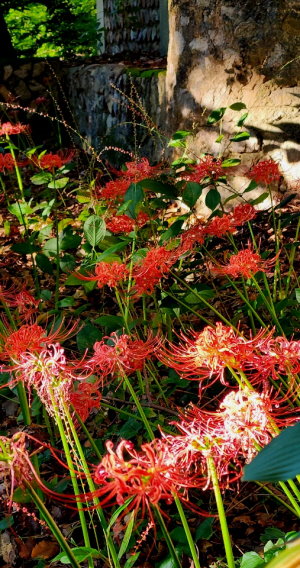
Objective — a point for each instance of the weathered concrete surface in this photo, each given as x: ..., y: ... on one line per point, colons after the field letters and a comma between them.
x: 224, y: 51
x: 102, y: 98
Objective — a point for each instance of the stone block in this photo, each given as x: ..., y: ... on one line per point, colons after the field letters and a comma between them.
x: 23, y: 71
x: 8, y: 70
x: 22, y: 91
x: 38, y: 68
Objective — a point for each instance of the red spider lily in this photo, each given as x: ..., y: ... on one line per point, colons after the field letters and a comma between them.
x: 244, y: 422
x: 122, y: 355
x: 50, y: 374
x: 148, y: 477
x: 7, y: 294
x: 124, y: 224
x: 246, y: 263
x: 25, y: 302
x: 265, y: 171
x: 32, y: 338
x: 219, y: 226
x: 278, y: 356
x: 106, y: 273
x: 205, y: 355
x: 7, y: 129
x: 84, y: 398
x: 50, y: 161
x: 7, y: 162
x: 113, y: 190
x: 137, y: 170
x: 243, y: 213
x: 207, y: 167
x: 191, y: 237
x: 148, y: 272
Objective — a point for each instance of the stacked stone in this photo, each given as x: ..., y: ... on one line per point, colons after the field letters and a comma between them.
x: 134, y: 27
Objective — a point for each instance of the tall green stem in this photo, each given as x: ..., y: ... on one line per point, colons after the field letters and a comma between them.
x: 52, y: 525
x: 221, y: 511
x: 293, y: 252
x: 187, y: 532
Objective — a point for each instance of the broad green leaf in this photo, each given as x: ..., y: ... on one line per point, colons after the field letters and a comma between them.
x: 285, y: 201
x: 252, y: 560
x: 67, y: 263
x: 279, y: 460
x: 58, y: 183
x: 241, y: 120
x: 50, y: 247
x: 181, y: 134
x: 112, y: 322
x: 6, y: 522
x: 178, y: 139
x: 127, y: 536
x: 80, y: 552
x: 191, y: 194
x: 41, y: 178
x: 219, y: 139
x: 111, y: 250
x: 216, y: 115
x: 66, y: 302
x: 131, y: 560
x: 205, y: 530
x: 165, y: 189
x: 134, y: 194
x: 212, y: 199
x: 94, y: 230
x: 19, y: 210
x: 64, y: 223
x: 260, y: 199
x: 118, y: 512
x: 21, y: 496
x: 178, y: 535
x: 240, y: 137
x: 87, y: 336
x: 172, y: 231
x: 252, y: 185
x: 231, y: 163
x: 44, y: 263
x: 237, y: 106
x: 24, y: 248
x: 68, y: 239
x: 130, y: 429
x: 297, y: 292
x: 44, y: 233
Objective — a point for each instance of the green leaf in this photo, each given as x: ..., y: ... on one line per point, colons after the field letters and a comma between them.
x: 252, y: 560
x: 240, y: 137
x: 297, y: 292
x: 241, y: 120
x: 285, y: 201
x: 252, y: 185
x: 165, y: 189
x: 43, y: 263
x: 46, y: 295
x: 94, y: 230
x: 181, y: 134
x: 212, y: 199
x: 7, y: 522
x: 64, y: 223
x: 67, y: 263
x: 131, y: 560
x: 112, y: 322
x: 219, y: 139
x: 68, y: 239
x: 80, y: 552
x: 44, y: 233
x: 178, y: 139
x: 58, y: 183
x: 172, y: 231
x: 259, y: 199
x: 134, y: 194
x: 205, y: 529
x: 178, y: 535
x: 21, y: 496
x: 50, y: 247
x: 279, y: 460
x: 24, y: 248
x: 41, y: 178
x: 192, y: 192
x: 237, y: 106
x: 130, y: 429
x: 216, y: 115
x: 231, y: 163
x: 118, y: 512
x: 87, y: 336
x: 110, y: 250
x: 127, y: 536
x: 202, y: 290
x: 66, y: 302
x: 19, y: 210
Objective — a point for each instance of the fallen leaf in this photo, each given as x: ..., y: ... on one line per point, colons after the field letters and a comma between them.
x: 45, y: 549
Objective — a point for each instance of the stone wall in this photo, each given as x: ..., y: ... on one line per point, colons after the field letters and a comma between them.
x: 133, y: 26
x: 224, y: 51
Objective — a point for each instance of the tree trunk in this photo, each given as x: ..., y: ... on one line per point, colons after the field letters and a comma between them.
x: 7, y: 50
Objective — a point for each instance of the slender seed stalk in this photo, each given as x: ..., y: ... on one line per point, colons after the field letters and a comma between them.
x: 52, y: 525
x: 171, y: 547
x: 57, y: 246
x: 290, y: 497
x: 187, y: 532
x: 221, y: 511
x: 139, y: 407
x: 89, y: 437
x: 19, y: 177
x: 286, y: 505
x: 292, y: 257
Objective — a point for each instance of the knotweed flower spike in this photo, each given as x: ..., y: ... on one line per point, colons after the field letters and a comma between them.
x: 265, y: 171
x: 106, y: 273
x: 118, y: 355
x: 246, y: 263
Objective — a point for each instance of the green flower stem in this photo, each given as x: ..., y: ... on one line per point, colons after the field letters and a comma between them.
x: 202, y: 300
x: 122, y: 311
x: 187, y: 532
x: 23, y: 403
x: 290, y: 497
x: 35, y: 462
x: 89, y: 437
x: 52, y: 525
x: 153, y: 375
x: 105, y: 405
x: 294, y: 487
x: 264, y: 276
x: 4, y: 190
x: 139, y: 407
x: 57, y: 245
x: 171, y: 547
x: 19, y: 177
x: 189, y: 308
x: 144, y: 313
x: 270, y: 306
x: 92, y: 488
x: 246, y: 300
x: 72, y: 475
x: 129, y: 281
x: 291, y: 260
x: 221, y: 511
x: 286, y: 505
x: 49, y: 429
